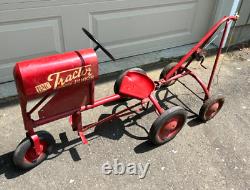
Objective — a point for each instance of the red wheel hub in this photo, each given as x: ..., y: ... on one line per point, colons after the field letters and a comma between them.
x: 212, y: 110
x: 170, y: 128
x: 31, y: 154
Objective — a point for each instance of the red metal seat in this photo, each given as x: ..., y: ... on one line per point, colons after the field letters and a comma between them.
x: 137, y: 85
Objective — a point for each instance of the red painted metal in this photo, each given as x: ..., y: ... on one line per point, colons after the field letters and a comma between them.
x: 66, y: 100
x: 191, y: 73
x: 170, y: 128
x: 31, y: 155
x: 217, y: 56
x: 44, y: 75
x: 127, y: 111
x: 136, y: 85
x: 200, y: 43
x: 198, y: 47
x: 38, y: 104
x: 202, y: 84
x: 157, y: 106
x: 67, y: 79
x: 36, y: 123
x: 175, y: 77
x: 102, y: 101
x: 212, y: 110
x: 37, y: 144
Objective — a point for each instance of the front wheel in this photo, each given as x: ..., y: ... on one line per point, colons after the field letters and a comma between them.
x: 167, y: 125
x: 25, y: 156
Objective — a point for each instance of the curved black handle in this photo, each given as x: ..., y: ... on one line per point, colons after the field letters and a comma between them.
x: 99, y: 45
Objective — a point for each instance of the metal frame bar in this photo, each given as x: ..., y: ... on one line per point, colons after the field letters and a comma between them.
x: 179, y: 66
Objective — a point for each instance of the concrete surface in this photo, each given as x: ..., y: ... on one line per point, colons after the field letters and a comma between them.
x: 212, y: 155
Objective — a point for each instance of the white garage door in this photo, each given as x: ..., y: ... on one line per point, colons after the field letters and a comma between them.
x: 30, y: 28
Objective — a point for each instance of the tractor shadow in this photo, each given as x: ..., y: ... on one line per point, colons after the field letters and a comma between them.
x: 116, y: 128
x: 193, y: 117
x: 8, y: 168
x: 113, y: 130
x: 170, y: 99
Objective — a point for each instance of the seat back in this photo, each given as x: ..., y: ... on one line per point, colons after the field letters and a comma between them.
x: 136, y: 85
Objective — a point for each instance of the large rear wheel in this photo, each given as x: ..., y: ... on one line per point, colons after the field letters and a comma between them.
x: 165, y: 71
x: 167, y: 125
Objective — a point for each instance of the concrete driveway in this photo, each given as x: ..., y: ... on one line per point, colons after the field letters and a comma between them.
x: 212, y: 155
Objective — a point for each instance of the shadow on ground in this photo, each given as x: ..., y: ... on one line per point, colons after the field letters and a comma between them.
x: 7, y: 102
x: 114, y: 131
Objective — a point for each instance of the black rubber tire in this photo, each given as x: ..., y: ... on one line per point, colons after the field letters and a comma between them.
x: 19, y: 154
x: 119, y: 79
x: 165, y: 70
x: 207, y: 104
x: 160, y: 122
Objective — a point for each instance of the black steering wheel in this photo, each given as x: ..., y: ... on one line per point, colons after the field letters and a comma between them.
x: 98, y: 45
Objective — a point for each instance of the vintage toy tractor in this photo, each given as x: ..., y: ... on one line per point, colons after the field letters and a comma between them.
x: 65, y: 84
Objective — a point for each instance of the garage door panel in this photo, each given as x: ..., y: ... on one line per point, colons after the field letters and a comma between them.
x: 147, y: 23
x: 152, y: 28
x: 126, y: 27
x: 24, y: 4
x: 26, y: 39
x: 155, y: 44
x: 31, y: 37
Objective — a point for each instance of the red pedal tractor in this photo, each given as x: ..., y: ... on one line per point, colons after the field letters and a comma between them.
x: 64, y: 85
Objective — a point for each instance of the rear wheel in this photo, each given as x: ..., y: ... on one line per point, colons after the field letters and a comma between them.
x: 25, y: 156
x: 165, y: 70
x: 211, y: 107
x: 167, y: 125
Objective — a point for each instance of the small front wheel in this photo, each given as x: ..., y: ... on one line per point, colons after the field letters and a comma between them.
x: 211, y: 107
x: 25, y: 156
x: 167, y: 125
